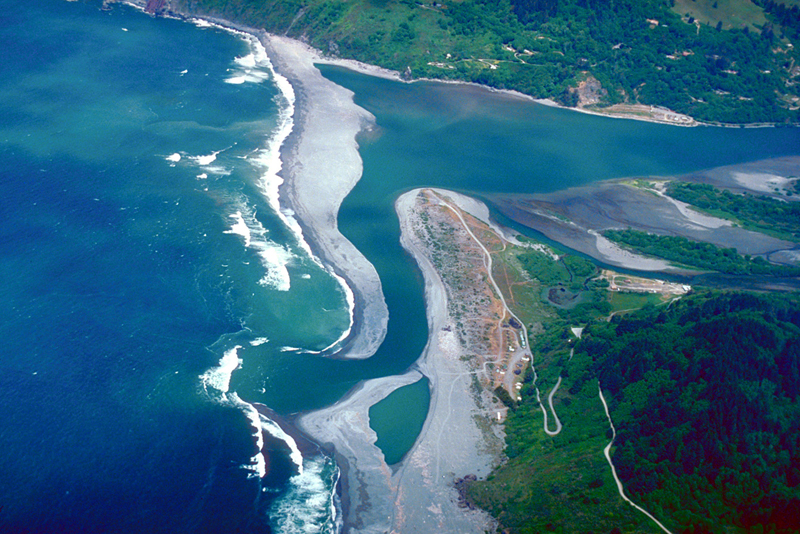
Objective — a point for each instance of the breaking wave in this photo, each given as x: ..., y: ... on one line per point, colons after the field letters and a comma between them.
x: 310, y: 506
x: 275, y: 258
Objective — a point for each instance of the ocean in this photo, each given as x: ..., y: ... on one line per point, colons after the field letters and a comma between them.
x: 155, y: 293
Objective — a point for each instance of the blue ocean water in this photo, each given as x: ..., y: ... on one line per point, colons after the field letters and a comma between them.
x: 142, y: 264
x: 153, y: 295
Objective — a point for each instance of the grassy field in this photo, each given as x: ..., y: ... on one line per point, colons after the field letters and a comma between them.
x: 732, y: 13
x: 628, y: 301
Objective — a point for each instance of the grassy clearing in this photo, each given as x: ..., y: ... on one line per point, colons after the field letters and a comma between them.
x: 627, y: 301
x: 732, y: 13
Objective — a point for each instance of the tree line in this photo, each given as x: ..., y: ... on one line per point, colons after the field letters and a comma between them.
x: 706, y: 398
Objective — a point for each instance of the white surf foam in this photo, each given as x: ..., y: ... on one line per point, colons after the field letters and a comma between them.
x: 250, y: 68
x: 240, y: 228
x: 248, y: 61
x: 258, y: 463
x: 308, y: 507
x: 207, y: 159
x: 270, y: 159
x: 217, y: 169
x: 219, y: 378
x: 274, y: 257
x: 271, y: 427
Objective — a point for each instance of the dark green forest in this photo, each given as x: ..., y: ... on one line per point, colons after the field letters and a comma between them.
x: 704, y: 395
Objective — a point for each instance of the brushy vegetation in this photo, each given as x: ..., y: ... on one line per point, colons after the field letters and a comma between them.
x: 704, y: 392
x: 694, y: 254
x: 761, y: 213
x: 705, y: 395
x: 640, y: 50
x: 560, y: 483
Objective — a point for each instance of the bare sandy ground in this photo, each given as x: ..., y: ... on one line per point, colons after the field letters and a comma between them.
x: 321, y: 166
x: 418, y: 494
x: 576, y: 217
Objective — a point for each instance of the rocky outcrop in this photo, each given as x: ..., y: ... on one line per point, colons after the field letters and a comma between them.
x: 156, y: 7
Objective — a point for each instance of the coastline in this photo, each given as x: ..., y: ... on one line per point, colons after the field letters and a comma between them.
x: 410, y: 494
x: 321, y: 166
x: 418, y: 493
x: 374, y: 496
x: 654, y: 114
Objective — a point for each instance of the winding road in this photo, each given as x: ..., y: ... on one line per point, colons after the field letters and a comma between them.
x: 607, y: 453
x: 508, y: 380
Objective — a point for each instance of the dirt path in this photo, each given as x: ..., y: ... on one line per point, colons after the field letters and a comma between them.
x: 508, y: 379
x: 607, y: 453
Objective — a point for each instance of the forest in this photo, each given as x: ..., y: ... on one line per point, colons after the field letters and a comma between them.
x: 704, y: 395
x: 641, y: 51
x: 698, y: 255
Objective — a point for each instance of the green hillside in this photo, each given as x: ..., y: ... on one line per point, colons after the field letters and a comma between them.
x: 704, y: 395
x: 741, y: 69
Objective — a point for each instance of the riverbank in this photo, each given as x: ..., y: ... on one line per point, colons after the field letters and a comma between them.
x: 577, y: 217
x: 419, y: 493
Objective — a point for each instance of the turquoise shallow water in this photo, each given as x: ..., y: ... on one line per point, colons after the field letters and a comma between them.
x: 151, y: 293
x: 398, y: 419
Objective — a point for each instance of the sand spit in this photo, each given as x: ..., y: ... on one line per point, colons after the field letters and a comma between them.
x: 418, y: 494
x: 321, y: 166
x: 774, y: 177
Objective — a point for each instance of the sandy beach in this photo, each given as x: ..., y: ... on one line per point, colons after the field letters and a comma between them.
x: 321, y: 166
x: 418, y: 494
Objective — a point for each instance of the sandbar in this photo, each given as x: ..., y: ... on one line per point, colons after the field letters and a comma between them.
x: 321, y: 166
x: 418, y: 494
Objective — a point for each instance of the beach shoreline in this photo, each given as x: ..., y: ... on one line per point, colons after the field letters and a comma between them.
x: 657, y: 114
x: 321, y: 166
x: 419, y: 492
